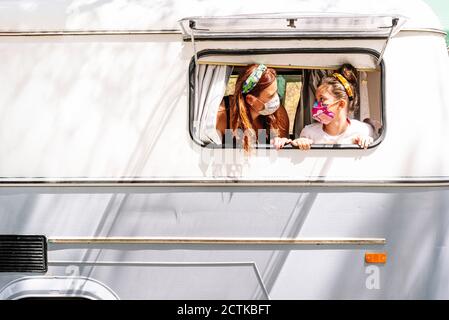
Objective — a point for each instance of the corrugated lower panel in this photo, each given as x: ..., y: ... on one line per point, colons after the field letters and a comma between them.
x: 23, y: 253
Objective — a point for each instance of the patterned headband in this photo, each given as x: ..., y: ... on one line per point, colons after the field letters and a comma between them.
x: 253, y: 79
x: 345, y: 84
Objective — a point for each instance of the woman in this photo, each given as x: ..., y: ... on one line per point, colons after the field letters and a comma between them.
x: 336, y: 96
x: 254, y: 108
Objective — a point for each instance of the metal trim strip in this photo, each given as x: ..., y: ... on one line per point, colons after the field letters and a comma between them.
x: 223, y: 183
x: 88, y: 33
x: 187, y: 39
x: 217, y: 241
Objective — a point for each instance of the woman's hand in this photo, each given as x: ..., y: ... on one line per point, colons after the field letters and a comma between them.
x: 363, y: 141
x: 279, y: 143
x: 302, y: 143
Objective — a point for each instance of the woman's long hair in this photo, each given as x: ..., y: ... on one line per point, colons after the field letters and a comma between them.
x: 240, y: 110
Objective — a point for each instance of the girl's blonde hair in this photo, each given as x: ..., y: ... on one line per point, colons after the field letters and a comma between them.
x: 337, y: 89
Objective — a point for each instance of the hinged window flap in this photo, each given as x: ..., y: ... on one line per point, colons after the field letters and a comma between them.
x: 302, y: 26
x: 278, y: 25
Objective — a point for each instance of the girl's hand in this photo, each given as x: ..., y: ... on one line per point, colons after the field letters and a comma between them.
x: 279, y: 143
x: 302, y: 143
x: 363, y: 141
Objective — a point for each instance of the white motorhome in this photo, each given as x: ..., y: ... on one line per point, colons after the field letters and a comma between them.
x: 114, y: 184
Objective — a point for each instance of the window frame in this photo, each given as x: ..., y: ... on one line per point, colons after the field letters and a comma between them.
x: 234, y: 52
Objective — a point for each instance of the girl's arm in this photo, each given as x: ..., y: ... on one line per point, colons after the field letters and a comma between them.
x: 365, y: 137
x: 363, y: 141
x: 303, y: 142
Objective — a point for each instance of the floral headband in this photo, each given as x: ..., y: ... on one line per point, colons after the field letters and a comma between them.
x: 345, y: 84
x: 253, y: 79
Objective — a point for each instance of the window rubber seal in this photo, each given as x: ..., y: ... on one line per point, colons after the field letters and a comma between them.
x: 237, y: 52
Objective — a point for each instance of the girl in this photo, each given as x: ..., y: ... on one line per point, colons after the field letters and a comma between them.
x: 336, y: 96
x: 254, y: 108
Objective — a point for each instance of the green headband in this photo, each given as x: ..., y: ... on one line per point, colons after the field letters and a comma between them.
x: 253, y: 79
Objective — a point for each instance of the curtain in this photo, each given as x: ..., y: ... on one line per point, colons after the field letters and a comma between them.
x: 210, y: 88
x: 364, y: 100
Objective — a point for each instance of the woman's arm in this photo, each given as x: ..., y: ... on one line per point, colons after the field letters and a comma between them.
x: 303, y: 142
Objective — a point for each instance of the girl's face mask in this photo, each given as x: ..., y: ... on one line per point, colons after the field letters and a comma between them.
x: 321, y: 113
x: 271, y: 106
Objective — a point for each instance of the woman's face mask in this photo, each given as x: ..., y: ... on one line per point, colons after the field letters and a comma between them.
x: 271, y: 106
x: 321, y: 113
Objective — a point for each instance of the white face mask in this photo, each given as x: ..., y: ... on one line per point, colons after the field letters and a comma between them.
x: 271, y: 106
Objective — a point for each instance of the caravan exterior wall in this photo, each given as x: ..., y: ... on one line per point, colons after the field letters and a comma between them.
x: 97, y: 157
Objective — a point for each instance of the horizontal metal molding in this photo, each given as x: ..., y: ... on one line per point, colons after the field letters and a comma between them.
x: 406, y: 182
x: 37, y: 33
x: 218, y: 241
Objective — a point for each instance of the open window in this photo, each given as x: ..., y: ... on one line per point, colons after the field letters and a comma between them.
x: 213, y: 72
x: 299, y: 72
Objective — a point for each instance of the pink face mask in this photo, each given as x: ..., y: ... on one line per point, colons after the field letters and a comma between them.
x: 321, y: 113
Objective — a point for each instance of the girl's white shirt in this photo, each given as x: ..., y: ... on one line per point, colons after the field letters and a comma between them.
x: 316, y: 133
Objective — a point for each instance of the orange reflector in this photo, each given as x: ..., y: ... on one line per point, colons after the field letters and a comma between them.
x: 371, y: 257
